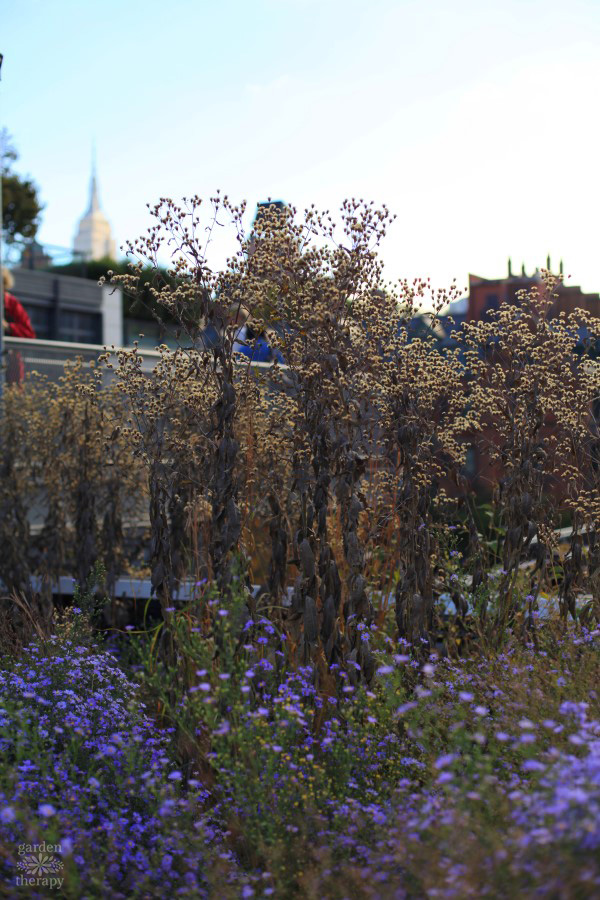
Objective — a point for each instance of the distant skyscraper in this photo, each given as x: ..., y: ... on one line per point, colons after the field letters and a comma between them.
x: 94, y: 239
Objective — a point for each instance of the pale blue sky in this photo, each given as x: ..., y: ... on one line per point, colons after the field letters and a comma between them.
x: 476, y: 121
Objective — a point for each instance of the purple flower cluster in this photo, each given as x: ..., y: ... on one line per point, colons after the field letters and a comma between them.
x: 83, y: 762
x: 378, y: 784
x: 565, y: 807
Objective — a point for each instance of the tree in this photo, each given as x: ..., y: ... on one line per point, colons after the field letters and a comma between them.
x: 21, y: 206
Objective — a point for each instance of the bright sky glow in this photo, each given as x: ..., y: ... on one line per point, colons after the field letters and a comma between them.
x: 476, y: 121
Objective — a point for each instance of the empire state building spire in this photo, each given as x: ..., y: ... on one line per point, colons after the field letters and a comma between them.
x: 94, y: 239
x: 94, y: 202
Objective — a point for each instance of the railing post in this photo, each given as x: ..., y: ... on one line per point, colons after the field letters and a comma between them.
x: 55, y: 309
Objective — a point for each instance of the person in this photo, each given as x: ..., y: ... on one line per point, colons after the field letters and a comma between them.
x: 253, y: 343
x: 15, y: 323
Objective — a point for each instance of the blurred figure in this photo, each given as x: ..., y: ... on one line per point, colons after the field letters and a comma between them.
x: 16, y: 323
x: 253, y: 343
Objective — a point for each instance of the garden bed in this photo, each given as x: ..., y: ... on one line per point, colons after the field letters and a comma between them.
x: 477, y: 776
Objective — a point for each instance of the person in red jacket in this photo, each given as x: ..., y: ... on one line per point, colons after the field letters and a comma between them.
x: 16, y: 323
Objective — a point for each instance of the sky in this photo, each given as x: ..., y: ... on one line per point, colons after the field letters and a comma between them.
x: 476, y: 122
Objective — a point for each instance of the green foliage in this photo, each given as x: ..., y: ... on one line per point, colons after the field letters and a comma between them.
x: 21, y: 206
x: 92, y: 269
x: 143, y: 305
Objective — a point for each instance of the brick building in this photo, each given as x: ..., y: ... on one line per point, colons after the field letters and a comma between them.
x: 487, y: 294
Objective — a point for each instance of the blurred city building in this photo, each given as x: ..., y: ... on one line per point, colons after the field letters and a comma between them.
x: 63, y: 308
x: 487, y: 294
x: 34, y: 256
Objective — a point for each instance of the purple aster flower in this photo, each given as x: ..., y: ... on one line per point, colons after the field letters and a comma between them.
x: 405, y: 708
x: 445, y: 777
x: 533, y: 765
x: 46, y: 810
x: 445, y: 760
x: 223, y: 729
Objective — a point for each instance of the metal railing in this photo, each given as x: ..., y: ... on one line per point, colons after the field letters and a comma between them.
x: 49, y: 358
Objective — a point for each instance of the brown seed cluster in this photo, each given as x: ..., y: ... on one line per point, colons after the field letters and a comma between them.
x: 338, y: 474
